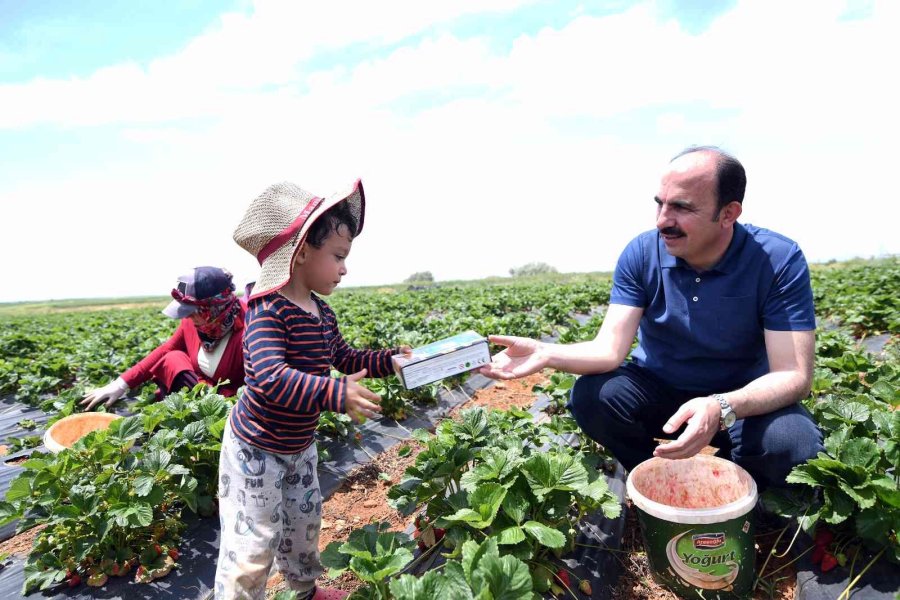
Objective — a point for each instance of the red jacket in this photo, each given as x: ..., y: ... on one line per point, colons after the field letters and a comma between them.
x: 186, y: 339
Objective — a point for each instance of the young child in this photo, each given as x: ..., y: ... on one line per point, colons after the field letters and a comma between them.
x: 270, y: 506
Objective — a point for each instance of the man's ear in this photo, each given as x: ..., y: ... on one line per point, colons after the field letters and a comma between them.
x: 730, y: 213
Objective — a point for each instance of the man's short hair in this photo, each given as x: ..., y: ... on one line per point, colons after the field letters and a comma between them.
x: 731, y: 180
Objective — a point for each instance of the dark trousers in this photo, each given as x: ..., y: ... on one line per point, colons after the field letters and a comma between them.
x: 624, y: 410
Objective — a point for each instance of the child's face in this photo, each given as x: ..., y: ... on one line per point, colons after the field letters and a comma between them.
x: 321, y: 269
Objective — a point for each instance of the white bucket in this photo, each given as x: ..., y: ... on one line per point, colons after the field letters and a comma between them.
x: 695, y: 516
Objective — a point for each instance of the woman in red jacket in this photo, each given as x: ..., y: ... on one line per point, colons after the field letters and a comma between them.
x: 207, y: 346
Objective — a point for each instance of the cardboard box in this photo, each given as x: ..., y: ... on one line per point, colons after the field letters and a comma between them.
x: 444, y: 358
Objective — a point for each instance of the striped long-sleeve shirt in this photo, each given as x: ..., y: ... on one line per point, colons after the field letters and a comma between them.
x: 288, y: 356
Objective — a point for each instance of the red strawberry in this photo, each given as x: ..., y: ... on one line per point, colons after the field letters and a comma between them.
x: 818, y: 553
x: 563, y: 577
x: 157, y: 548
x: 173, y: 552
x: 74, y: 580
x: 824, y: 537
x: 828, y: 562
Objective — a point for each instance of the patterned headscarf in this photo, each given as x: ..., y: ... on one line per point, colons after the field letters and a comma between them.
x: 214, y: 318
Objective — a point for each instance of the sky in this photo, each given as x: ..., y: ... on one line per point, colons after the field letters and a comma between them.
x: 488, y: 134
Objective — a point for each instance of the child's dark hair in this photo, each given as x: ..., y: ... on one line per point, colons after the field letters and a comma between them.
x: 330, y: 222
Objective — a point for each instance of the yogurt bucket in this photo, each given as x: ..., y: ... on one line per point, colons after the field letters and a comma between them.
x: 696, y: 521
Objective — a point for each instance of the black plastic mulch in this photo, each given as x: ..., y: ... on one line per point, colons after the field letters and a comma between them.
x: 881, y: 582
x: 192, y: 579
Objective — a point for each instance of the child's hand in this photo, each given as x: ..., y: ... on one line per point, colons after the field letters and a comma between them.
x: 405, y: 350
x: 361, y: 402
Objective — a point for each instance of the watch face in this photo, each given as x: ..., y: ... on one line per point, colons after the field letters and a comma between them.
x: 729, y: 419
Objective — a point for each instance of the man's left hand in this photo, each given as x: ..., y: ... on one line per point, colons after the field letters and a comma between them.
x: 702, y: 418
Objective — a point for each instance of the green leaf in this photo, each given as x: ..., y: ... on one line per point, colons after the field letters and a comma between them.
x: 195, y: 433
x: 864, y: 496
x: 19, y: 488
x: 8, y: 512
x: 126, y: 429
x: 548, y: 472
x: 546, y: 536
x: 515, y: 505
x: 860, y: 452
x: 456, y: 586
x: 473, y: 553
x: 132, y: 515
x: 838, y: 506
x: 432, y: 585
x: 874, y: 525
x: 142, y: 485
x: 508, y: 578
x: 511, y: 535
x: 422, y: 435
x: 853, y: 412
x: 486, y: 500
x: 333, y: 559
x: 611, y: 506
x: 34, y: 464
x: 156, y: 460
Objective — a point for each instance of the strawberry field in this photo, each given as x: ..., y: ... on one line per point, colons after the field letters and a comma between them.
x: 502, y: 497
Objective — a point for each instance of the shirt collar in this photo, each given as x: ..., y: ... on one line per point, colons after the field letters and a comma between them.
x: 725, y: 265
x: 730, y: 259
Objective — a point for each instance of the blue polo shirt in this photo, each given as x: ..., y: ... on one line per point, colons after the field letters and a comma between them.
x: 703, y: 332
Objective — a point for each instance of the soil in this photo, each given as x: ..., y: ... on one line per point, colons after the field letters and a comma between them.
x: 21, y: 544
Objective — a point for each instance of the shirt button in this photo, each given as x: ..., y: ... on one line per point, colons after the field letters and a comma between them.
x: 696, y: 298
x: 697, y: 280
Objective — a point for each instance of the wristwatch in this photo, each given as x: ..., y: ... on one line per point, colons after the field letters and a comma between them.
x: 727, y: 418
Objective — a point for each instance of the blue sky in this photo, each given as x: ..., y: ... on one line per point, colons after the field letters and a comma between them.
x: 133, y: 135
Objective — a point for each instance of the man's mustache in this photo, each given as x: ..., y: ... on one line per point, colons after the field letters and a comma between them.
x: 671, y: 231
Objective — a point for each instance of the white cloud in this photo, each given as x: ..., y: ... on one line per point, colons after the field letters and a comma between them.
x: 476, y: 156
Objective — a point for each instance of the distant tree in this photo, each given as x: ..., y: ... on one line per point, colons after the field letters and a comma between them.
x: 535, y: 268
x: 421, y: 277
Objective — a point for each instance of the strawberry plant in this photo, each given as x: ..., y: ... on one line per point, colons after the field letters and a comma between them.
x: 481, y: 572
x: 482, y: 476
x: 106, y: 506
x: 373, y: 554
x: 557, y: 389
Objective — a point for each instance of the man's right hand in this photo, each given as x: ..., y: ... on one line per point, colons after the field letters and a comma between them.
x: 110, y: 394
x: 360, y: 402
x: 523, y: 356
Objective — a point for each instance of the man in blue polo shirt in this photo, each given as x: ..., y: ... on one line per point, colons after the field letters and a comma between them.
x: 724, y: 318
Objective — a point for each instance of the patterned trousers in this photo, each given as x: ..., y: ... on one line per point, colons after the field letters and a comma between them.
x: 270, y: 508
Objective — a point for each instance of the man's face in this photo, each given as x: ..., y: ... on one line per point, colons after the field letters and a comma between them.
x: 686, y: 211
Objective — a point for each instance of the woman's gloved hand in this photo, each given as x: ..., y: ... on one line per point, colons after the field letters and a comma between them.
x: 110, y: 393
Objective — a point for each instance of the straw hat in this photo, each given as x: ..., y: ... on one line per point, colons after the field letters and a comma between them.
x: 276, y: 224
